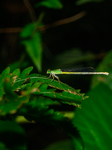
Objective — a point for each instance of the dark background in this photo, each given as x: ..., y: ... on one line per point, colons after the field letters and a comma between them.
x: 90, y: 33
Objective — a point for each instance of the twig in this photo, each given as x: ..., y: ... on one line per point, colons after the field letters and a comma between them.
x: 31, y: 10
x: 47, y: 26
x: 63, y: 21
x: 10, y: 30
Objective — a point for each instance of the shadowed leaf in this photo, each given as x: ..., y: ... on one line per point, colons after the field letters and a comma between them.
x: 56, y: 4
x: 94, y: 119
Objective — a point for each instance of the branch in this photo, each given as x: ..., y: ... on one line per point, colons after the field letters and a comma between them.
x: 47, y: 26
x: 63, y: 21
x: 10, y: 30
x: 30, y: 9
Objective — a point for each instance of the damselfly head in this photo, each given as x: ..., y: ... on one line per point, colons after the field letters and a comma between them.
x: 48, y: 71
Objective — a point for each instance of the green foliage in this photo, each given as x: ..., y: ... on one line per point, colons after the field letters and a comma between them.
x: 75, y: 55
x: 31, y: 37
x: 6, y: 71
x: 3, y: 147
x: 55, y: 4
x: 61, y: 145
x: 94, y: 119
x: 33, y: 44
x: 38, y: 111
x: 80, y: 2
x: 52, y: 89
x: 31, y: 95
x: 28, y: 30
x: 106, y: 65
x: 33, y: 84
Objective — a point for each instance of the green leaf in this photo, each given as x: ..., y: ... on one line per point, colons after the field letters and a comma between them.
x: 94, y: 119
x: 5, y: 74
x: 25, y: 72
x: 10, y: 101
x: 61, y: 145
x: 33, y: 43
x: 34, y: 49
x: 80, y: 2
x: 47, y: 87
x: 3, y: 147
x: 28, y: 30
x: 53, y: 83
x: 56, y: 4
x: 104, y: 66
x: 38, y: 112
x: 17, y: 89
x: 16, y: 72
x: 36, y: 92
x: 43, y: 101
x: 76, y: 56
x: 6, y: 71
x: 12, y: 135
x: 2, y: 79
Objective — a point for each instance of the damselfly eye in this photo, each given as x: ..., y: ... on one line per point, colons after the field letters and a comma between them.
x: 48, y: 71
